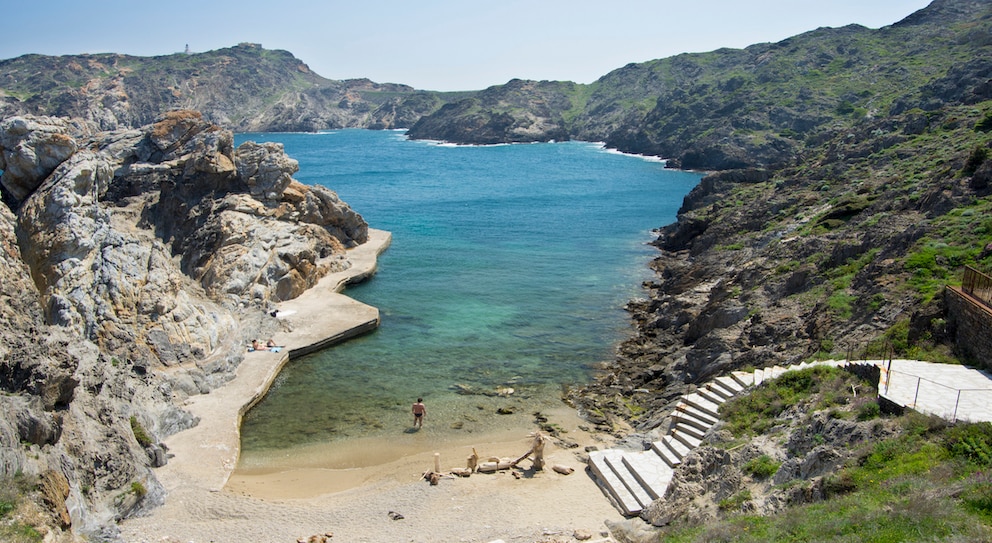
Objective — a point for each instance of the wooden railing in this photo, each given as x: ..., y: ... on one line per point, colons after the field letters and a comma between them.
x: 977, y: 285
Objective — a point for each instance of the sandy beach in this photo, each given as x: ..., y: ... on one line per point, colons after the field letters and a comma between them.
x: 208, y: 501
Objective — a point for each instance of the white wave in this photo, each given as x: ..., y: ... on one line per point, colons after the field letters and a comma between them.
x: 648, y: 158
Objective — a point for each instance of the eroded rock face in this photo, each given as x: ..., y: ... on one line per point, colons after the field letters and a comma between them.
x: 124, y: 252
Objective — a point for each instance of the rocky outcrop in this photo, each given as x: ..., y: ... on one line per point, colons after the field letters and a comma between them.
x: 126, y: 253
x: 518, y: 112
x: 100, y: 235
x: 769, y: 267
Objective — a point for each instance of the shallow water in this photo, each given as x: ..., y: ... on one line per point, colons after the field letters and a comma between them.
x: 509, y: 268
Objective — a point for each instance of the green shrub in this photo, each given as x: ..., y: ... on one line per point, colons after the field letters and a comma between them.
x: 984, y: 125
x: 139, y: 432
x: 762, y: 467
x: 736, y: 501
x: 978, y: 156
x: 972, y: 442
x: 139, y: 489
x: 869, y: 411
x: 978, y: 499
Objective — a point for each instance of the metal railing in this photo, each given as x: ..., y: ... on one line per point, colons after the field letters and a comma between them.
x: 875, y: 350
x: 977, y: 285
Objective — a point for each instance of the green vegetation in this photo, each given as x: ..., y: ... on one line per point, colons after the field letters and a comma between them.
x: 13, y: 494
x: 139, y: 432
x: 975, y: 160
x: 927, y: 483
x: 869, y: 411
x: 972, y: 442
x: 736, y: 501
x: 985, y: 125
x: 761, y: 467
x: 755, y: 413
x: 958, y: 239
x: 138, y: 489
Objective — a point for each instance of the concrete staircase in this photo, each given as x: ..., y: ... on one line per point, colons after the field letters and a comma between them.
x: 633, y: 479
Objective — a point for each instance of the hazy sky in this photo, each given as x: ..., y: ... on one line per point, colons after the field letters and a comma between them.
x: 432, y: 44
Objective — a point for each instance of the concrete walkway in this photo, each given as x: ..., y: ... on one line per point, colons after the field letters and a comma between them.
x: 954, y: 393
x: 205, y: 455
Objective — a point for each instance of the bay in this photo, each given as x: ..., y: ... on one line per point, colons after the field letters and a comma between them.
x: 509, y: 268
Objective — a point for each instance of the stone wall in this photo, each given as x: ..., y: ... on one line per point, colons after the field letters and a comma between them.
x: 972, y: 322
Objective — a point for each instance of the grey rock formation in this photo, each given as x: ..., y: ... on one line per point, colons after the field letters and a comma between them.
x: 125, y: 252
x: 32, y: 148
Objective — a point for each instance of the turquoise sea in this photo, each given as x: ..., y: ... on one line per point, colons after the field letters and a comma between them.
x: 509, y: 268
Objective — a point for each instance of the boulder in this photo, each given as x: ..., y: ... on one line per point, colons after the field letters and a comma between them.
x: 30, y: 149
x: 39, y: 428
x: 266, y: 169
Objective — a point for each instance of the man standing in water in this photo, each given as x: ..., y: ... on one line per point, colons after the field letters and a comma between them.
x: 419, y: 412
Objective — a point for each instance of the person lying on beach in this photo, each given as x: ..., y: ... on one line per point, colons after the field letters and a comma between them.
x: 255, y: 346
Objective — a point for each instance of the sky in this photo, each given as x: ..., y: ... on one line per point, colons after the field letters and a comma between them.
x: 432, y: 44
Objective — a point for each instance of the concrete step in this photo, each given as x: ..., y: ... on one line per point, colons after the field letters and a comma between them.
x: 629, y: 479
x: 711, y: 395
x: 776, y: 371
x: 679, y: 449
x: 702, y: 404
x: 690, y: 415
x: 759, y: 376
x: 744, y: 378
x: 651, y: 472
x: 688, y: 440
x: 729, y: 385
x: 667, y: 455
x: 720, y: 391
x: 626, y: 501
x: 684, y: 428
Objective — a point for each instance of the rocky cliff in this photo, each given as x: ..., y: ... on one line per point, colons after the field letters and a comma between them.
x: 126, y: 253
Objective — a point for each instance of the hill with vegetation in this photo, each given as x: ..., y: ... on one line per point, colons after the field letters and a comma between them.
x: 843, y: 245
x: 243, y: 88
x: 758, y: 106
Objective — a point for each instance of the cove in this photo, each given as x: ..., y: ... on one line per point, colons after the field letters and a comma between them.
x: 509, y: 268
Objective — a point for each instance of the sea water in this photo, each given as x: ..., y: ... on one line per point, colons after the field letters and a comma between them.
x: 509, y: 269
